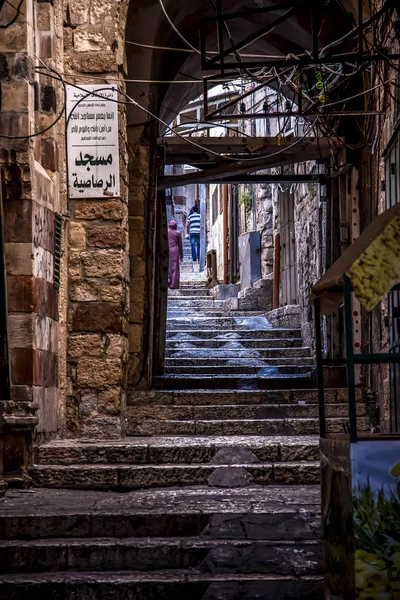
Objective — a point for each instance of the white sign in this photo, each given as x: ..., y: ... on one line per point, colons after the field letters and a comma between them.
x: 92, y: 141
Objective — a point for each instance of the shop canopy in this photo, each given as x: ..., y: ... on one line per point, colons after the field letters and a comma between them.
x: 329, y: 289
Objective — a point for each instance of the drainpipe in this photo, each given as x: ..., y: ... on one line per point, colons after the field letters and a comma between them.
x: 277, y: 269
x: 225, y: 230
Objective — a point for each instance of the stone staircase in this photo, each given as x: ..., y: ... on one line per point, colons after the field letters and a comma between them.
x: 219, y: 473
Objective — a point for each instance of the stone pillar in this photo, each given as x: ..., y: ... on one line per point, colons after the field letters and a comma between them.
x: 98, y: 261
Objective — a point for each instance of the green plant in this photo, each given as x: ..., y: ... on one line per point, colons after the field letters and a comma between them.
x: 246, y: 200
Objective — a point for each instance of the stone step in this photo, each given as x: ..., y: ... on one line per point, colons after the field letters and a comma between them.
x: 265, y: 369
x: 129, y: 477
x: 150, y: 554
x: 186, y: 299
x: 262, y: 344
x: 192, y: 292
x: 287, y: 512
x: 235, y: 350
x: 238, y: 411
x: 212, y: 324
x: 228, y: 335
x: 238, y: 359
x: 242, y: 397
x: 225, y: 382
x: 210, y: 313
x: 271, y: 426
x: 168, y: 585
x: 178, y: 450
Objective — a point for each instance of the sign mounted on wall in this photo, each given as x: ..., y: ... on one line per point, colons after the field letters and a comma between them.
x: 92, y: 141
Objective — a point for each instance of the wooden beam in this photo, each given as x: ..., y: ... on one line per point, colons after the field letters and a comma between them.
x: 290, y: 156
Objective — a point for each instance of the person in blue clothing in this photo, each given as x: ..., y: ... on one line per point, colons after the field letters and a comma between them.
x: 193, y: 229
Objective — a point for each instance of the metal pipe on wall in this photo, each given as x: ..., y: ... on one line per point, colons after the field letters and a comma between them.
x: 225, y: 231
x: 277, y: 269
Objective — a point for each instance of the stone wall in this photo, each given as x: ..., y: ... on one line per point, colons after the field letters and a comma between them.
x: 309, y: 247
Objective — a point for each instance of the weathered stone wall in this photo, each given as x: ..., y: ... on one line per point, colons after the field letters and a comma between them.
x: 308, y: 232
x: 30, y: 103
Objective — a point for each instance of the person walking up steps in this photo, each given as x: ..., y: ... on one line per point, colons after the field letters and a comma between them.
x: 193, y: 229
x: 175, y: 256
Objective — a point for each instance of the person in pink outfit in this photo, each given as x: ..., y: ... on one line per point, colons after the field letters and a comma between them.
x: 175, y: 255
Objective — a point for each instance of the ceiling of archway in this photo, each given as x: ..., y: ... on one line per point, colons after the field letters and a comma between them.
x: 147, y: 25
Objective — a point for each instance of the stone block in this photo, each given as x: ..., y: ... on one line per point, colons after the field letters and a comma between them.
x: 227, y: 477
x: 83, y: 291
x: 18, y: 258
x: 136, y: 312
x: 49, y: 154
x: 14, y: 39
x: 102, y: 427
x: 74, y: 264
x: 18, y: 221
x: 93, y: 38
x: 78, y: 12
x: 21, y: 366
x: 45, y: 298
x: 103, y: 263
x: 47, y: 400
x: 99, y: 373
x: 98, y: 316
x: 46, y: 44
x: 112, y: 210
x: 87, y: 344
x: 136, y: 243
x: 135, y: 335
x: 90, y: 62
x: 109, y: 401
x: 112, y: 293
x: 45, y: 368
x: 114, y: 345
x: 20, y: 293
x: 138, y: 267
x: 77, y: 235
x: 88, y: 404
x: 15, y: 96
x: 106, y: 237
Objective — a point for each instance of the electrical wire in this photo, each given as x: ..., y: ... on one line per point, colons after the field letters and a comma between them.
x: 190, y: 51
x: 15, y: 17
x: 176, y: 29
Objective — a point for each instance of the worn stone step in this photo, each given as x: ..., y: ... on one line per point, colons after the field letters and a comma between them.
x: 233, y: 382
x: 168, y: 585
x: 239, y: 359
x: 150, y: 554
x: 129, y: 477
x: 186, y: 291
x: 212, y: 324
x: 183, y: 333
x: 288, y: 426
x: 286, y: 512
x: 193, y: 302
x: 234, y: 350
x: 238, y: 411
x: 221, y: 397
x: 175, y: 450
x: 262, y: 344
x: 266, y: 368
x: 186, y: 300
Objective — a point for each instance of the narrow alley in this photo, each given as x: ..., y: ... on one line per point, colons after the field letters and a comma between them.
x: 199, y: 300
